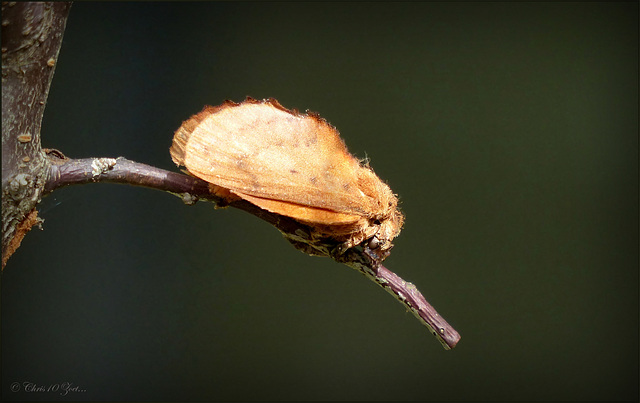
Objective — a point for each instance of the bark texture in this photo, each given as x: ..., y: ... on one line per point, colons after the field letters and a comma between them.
x: 31, y: 39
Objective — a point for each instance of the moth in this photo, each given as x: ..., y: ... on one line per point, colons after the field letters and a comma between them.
x: 292, y: 164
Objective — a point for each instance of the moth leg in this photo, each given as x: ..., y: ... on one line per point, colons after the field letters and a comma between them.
x: 339, y: 249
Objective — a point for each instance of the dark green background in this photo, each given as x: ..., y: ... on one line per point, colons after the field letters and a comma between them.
x: 508, y: 130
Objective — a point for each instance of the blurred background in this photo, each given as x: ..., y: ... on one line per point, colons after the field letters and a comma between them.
x: 509, y: 132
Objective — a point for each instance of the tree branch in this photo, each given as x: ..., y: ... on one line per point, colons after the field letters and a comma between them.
x: 31, y: 39
x: 65, y: 172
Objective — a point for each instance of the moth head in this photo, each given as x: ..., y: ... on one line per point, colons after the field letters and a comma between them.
x: 386, y: 228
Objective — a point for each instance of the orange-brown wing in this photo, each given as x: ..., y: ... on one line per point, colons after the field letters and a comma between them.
x: 261, y: 149
x: 302, y: 213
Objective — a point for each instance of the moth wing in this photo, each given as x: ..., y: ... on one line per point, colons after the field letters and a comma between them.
x: 261, y: 149
x: 302, y: 213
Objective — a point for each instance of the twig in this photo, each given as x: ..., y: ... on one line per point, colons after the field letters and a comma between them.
x: 65, y: 171
x: 364, y: 260
x: 408, y: 294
